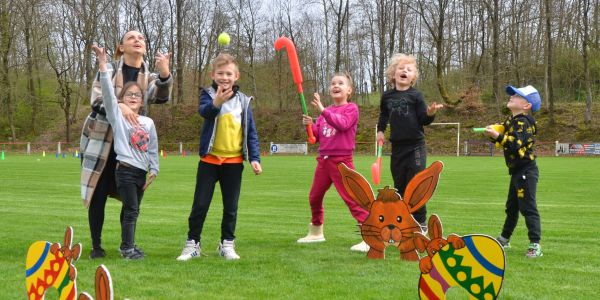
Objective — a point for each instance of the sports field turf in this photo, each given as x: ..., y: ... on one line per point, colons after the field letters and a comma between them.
x: 39, y: 197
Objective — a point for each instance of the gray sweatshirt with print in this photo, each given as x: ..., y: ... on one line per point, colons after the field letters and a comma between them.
x: 136, y: 146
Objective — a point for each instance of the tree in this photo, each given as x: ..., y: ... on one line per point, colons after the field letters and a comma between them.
x: 7, y: 34
x: 493, y: 8
x: 341, y: 21
x: 549, y: 49
x: 586, y: 69
x: 434, y: 17
x: 181, y: 16
x: 28, y: 16
x: 60, y: 53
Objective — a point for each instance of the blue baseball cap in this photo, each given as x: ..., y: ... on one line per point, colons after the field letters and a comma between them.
x: 529, y: 93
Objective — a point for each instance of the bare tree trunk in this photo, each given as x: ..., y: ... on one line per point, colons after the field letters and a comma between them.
x: 6, y: 39
x: 434, y: 19
x: 27, y: 15
x: 549, y: 56
x: 88, y: 12
x: 341, y: 15
x: 59, y: 57
x: 382, y: 19
x: 374, y: 61
x: 392, y: 30
x: 64, y: 91
x: 586, y: 69
x: 478, y: 67
x: 495, y: 11
x: 179, y: 69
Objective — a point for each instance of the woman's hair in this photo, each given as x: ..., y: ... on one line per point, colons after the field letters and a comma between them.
x: 126, y: 87
x: 396, y: 59
x: 348, y: 77
x: 118, y: 52
x: 223, y: 59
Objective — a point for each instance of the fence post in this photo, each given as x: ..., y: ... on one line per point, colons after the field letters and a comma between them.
x: 28, y: 148
x: 458, y: 141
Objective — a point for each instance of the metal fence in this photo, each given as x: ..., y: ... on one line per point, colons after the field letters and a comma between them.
x: 469, y: 148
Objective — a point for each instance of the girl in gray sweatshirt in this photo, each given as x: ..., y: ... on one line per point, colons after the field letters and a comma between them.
x: 136, y: 146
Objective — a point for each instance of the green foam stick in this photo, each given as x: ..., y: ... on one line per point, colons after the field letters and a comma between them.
x: 479, y: 129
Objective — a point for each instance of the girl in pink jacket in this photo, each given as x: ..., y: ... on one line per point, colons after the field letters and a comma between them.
x: 335, y: 131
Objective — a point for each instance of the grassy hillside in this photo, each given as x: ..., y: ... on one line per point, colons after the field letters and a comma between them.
x: 182, y: 123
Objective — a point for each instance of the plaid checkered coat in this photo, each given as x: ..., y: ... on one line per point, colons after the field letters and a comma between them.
x: 97, y: 135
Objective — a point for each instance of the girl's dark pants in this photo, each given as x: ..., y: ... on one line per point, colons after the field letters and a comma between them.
x: 522, y: 198
x: 130, y: 184
x: 229, y: 177
x: 408, y: 160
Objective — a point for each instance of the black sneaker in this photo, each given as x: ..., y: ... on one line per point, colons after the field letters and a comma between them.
x: 97, y: 253
x: 424, y: 229
x: 132, y: 253
x: 504, y: 242
x: 138, y: 249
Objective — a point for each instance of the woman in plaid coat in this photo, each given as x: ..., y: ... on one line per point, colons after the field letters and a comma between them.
x: 98, y: 159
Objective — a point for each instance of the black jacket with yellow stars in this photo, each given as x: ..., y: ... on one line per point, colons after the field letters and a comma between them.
x: 518, y: 141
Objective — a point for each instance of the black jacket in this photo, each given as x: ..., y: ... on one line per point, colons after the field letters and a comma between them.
x: 518, y: 141
x: 406, y: 112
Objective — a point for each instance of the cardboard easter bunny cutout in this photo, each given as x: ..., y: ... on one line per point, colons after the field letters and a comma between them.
x: 390, y: 220
x: 51, y: 265
x: 434, y: 243
x: 104, y: 287
x: 475, y: 262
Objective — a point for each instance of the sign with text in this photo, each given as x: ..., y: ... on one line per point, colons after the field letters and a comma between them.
x: 276, y: 148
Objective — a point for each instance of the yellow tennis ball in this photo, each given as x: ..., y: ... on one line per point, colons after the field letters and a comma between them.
x: 224, y: 39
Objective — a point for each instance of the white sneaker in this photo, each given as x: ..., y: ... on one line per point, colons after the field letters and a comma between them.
x: 227, y: 250
x: 190, y: 250
x: 360, y: 247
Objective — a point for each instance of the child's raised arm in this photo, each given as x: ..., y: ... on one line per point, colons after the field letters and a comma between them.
x: 108, y: 94
x: 101, y: 57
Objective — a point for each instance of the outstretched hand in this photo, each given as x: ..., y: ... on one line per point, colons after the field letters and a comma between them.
x: 101, y: 57
x: 316, y: 102
x: 161, y: 63
x: 433, y: 108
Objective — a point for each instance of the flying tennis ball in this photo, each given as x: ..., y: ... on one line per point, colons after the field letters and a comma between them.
x: 224, y: 39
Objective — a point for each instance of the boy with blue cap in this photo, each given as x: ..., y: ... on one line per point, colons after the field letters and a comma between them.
x: 518, y: 141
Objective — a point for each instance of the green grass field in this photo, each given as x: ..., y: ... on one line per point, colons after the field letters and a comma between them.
x: 40, y: 197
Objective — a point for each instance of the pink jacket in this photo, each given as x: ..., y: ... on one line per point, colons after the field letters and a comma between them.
x: 336, y: 129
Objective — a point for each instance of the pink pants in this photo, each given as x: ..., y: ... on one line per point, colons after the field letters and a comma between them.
x: 325, y: 174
